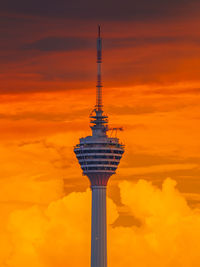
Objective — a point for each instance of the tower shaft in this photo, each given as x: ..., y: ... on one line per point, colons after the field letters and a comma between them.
x: 99, y: 227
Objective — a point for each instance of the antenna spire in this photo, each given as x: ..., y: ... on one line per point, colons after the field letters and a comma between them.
x: 99, y: 120
x: 99, y: 31
x: 99, y: 61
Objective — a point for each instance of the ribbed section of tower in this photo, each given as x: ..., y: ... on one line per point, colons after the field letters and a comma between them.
x: 99, y: 157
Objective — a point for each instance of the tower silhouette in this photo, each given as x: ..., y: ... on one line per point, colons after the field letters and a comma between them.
x: 99, y: 156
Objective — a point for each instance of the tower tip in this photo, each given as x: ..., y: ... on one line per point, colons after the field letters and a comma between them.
x: 99, y: 31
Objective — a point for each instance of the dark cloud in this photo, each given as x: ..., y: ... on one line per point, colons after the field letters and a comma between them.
x: 126, y: 220
x: 153, y: 40
x: 44, y: 116
x: 55, y: 43
x: 30, y: 31
x: 175, y: 91
x: 103, y: 10
x: 147, y: 109
x: 62, y: 159
x: 186, y: 178
x: 60, y: 44
x: 147, y: 160
x: 141, y: 41
x: 27, y: 143
x: 135, y: 110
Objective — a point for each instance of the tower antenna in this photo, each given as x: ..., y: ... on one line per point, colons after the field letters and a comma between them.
x: 99, y: 61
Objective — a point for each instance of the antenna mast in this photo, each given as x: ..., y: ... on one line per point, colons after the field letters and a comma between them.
x: 99, y: 61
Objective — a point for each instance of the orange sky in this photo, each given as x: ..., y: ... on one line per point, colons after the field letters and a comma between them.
x: 47, y: 91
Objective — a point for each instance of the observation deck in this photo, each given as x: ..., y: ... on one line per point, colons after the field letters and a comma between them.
x: 99, y: 157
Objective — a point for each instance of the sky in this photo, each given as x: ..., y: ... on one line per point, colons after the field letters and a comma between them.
x: 151, y: 78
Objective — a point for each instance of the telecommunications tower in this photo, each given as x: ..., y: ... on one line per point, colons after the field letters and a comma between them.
x: 99, y: 156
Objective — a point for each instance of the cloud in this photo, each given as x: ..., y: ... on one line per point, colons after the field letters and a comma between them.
x: 176, y: 91
x: 44, y: 116
x: 59, y: 153
x: 139, y: 41
x: 158, y: 169
x: 148, y: 160
x: 106, y: 10
x: 132, y: 110
x: 67, y: 43
x: 171, y: 229
x: 55, y: 43
x: 153, y: 167
x: 166, y: 234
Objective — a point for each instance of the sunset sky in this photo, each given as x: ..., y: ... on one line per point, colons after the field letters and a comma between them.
x: 151, y: 78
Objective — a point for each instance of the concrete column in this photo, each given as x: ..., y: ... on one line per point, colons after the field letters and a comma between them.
x: 99, y: 226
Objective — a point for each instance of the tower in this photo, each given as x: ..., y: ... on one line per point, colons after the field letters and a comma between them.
x: 99, y: 156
